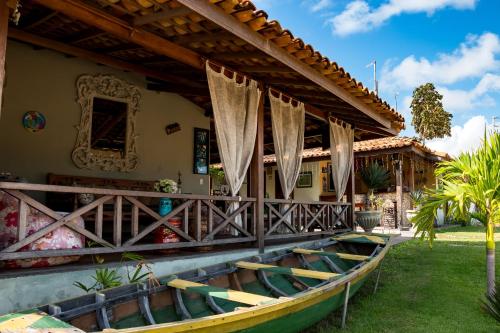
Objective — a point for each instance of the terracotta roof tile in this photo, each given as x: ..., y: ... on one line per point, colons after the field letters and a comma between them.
x: 368, y: 145
x: 247, y: 13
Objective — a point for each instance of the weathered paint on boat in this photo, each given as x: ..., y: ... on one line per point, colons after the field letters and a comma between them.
x: 287, y: 314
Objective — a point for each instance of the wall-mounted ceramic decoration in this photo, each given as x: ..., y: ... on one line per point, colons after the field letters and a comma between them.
x: 34, y: 121
x: 201, y: 151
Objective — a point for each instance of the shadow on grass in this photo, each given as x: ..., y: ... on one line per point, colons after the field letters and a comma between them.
x: 422, y: 290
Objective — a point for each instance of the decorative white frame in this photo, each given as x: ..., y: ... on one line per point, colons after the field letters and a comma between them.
x: 109, y: 87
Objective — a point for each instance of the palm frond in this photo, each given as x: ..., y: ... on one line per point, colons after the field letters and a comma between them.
x: 375, y: 176
x: 491, y: 303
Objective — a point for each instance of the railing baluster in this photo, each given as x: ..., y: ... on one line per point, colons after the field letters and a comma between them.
x: 117, y: 227
x: 245, y: 215
x: 135, y: 221
x: 22, y: 220
x: 210, y: 221
x: 186, y: 220
x: 98, y: 220
x: 198, y: 220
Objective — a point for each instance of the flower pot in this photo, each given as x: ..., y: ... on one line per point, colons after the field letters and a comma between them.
x: 165, y: 206
x: 368, y: 219
x: 163, y: 234
x: 410, y: 214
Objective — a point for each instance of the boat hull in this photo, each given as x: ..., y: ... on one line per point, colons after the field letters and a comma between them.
x: 292, y: 313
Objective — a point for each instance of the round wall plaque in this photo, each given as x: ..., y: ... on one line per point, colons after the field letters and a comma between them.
x: 34, y: 121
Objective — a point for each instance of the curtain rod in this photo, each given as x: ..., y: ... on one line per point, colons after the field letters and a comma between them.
x: 235, y: 72
x: 340, y: 122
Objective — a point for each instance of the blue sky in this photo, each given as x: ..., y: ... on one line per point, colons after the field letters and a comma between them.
x: 454, y: 44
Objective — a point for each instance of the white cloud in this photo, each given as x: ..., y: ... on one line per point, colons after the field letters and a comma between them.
x: 461, y: 100
x: 473, y: 58
x: 359, y: 17
x: 320, y: 4
x: 463, y: 138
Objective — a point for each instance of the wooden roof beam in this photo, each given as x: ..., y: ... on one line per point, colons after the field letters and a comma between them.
x: 216, y: 15
x: 161, y: 15
x: 121, y: 29
x: 95, y: 57
x: 264, y: 69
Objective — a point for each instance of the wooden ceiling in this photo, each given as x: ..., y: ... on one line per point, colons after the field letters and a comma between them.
x: 137, y: 35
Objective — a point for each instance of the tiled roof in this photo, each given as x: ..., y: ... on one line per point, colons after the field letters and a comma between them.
x: 194, y: 31
x: 368, y: 145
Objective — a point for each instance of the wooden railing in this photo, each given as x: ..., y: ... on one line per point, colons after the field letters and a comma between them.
x: 116, y: 221
x: 119, y: 220
x: 291, y: 218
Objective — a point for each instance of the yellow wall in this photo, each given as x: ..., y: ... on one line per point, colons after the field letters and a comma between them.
x: 44, y: 81
x: 305, y: 193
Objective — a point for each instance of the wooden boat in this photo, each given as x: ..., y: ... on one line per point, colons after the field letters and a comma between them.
x: 283, y: 291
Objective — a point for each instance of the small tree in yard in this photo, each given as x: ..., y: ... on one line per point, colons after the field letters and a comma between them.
x: 470, y: 180
x: 430, y: 119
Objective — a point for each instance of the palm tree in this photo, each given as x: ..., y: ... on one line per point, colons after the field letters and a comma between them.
x: 471, y: 188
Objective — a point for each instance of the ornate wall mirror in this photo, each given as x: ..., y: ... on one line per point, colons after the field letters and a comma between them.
x: 106, y: 134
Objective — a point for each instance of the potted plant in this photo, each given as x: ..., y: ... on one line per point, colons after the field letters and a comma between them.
x: 375, y: 177
x: 164, y: 234
x: 218, y: 177
x: 416, y: 198
x: 165, y: 186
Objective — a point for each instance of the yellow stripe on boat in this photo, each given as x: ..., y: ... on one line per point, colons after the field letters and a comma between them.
x: 347, y: 256
x: 19, y: 323
x: 287, y: 270
x: 371, y: 238
x: 228, y: 294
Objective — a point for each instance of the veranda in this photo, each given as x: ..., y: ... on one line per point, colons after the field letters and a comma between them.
x: 152, y: 55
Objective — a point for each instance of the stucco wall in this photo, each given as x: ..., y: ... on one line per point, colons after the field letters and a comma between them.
x: 44, y: 81
x: 304, y: 193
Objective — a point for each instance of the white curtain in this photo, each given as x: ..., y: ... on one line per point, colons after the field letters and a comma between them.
x: 341, y: 142
x: 235, y: 107
x: 288, y: 137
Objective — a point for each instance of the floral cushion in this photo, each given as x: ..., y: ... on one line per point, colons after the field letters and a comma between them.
x: 60, y: 238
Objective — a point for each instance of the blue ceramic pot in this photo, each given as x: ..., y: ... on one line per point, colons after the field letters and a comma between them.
x: 165, y: 206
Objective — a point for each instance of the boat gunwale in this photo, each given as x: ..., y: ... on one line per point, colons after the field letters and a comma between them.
x: 300, y: 300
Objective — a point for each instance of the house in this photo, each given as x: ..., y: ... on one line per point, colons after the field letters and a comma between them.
x: 102, y: 98
x: 417, y: 163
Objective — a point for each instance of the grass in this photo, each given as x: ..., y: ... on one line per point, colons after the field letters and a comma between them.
x: 424, y: 289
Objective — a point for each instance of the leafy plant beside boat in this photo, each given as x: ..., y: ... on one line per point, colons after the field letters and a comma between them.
x: 105, y: 278
x: 375, y: 177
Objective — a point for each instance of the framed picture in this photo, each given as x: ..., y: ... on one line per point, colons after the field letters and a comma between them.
x: 201, y: 151
x: 305, y: 179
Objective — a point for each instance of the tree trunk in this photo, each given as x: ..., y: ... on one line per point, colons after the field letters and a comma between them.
x: 490, y: 256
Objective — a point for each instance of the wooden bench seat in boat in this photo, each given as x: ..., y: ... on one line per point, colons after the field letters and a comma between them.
x: 346, y: 256
x: 359, y: 238
x: 298, y: 272
x: 222, y: 293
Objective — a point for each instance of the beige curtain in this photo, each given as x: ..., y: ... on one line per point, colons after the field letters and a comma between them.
x: 288, y: 137
x: 341, y: 142
x: 235, y: 108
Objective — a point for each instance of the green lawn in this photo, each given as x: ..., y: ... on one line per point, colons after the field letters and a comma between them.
x: 425, y: 290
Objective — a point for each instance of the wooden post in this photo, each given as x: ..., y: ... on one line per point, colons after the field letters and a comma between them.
x: 257, y: 176
x: 4, y: 25
x: 399, y: 194
x: 346, y: 302
x: 117, y: 228
x: 351, y: 195
x: 412, y: 175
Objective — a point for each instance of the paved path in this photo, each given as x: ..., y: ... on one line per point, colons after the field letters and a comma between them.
x: 401, y: 235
